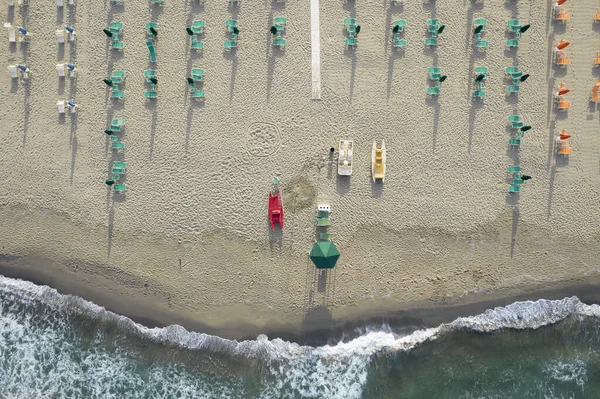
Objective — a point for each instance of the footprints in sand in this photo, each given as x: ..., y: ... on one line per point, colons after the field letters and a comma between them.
x: 264, y: 139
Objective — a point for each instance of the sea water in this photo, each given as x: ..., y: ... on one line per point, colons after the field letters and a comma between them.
x: 60, y: 346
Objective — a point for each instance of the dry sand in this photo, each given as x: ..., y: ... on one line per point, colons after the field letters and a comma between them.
x: 191, y: 235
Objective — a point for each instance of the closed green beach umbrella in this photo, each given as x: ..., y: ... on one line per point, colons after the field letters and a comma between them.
x: 479, y: 78
x: 525, y: 177
x: 109, y: 132
x: 525, y: 128
x: 108, y: 82
x: 189, y: 31
x: 524, y: 77
x: 441, y: 29
x: 442, y: 78
x: 154, y: 80
x: 107, y: 32
x: 153, y: 31
x: 396, y: 28
x: 109, y: 182
x: 273, y: 30
x: 524, y: 28
x: 190, y: 81
x: 324, y: 255
x: 357, y: 29
x: 236, y: 30
x: 478, y: 29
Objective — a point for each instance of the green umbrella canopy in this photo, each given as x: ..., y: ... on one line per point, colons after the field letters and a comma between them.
x: 324, y: 255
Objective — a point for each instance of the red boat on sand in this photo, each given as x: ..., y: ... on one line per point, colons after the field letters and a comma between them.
x: 275, y: 205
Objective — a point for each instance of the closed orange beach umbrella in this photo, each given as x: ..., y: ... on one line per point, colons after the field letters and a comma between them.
x: 563, y: 91
x: 564, y: 135
x: 562, y: 44
x: 561, y: 2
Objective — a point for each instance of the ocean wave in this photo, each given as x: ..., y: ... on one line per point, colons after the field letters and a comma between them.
x: 330, y: 371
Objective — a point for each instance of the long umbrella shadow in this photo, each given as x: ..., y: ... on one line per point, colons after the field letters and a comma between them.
x: 515, y: 224
x: 476, y: 105
x: 551, y: 191
x: 111, y: 222
x: 73, y: 147
x: 351, y: 52
x: 26, y: 112
x: 433, y: 102
x: 395, y: 53
x: 151, y: 106
x: 231, y: 55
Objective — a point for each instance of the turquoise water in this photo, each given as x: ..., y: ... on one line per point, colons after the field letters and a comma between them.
x: 56, y: 346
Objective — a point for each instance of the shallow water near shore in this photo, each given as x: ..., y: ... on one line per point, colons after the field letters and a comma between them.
x: 54, y: 345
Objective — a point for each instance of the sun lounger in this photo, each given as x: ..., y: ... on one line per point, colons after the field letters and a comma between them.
x: 349, y: 21
x: 517, y: 125
x: 229, y: 44
x: 198, y: 74
x: 280, y: 20
x: 514, y: 118
x: 400, y: 43
x: 479, y: 93
x: 513, y: 24
x: 512, y: 89
x: 561, y: 15
x: 351, y: 41
x: 512, y: 43
x: 565, y: 150
x: 323, y: 222
x: 516, y: 75
x: 150, y: 46
x: 120, y: 188
x: 325, y: 236
x: 431, y: 41
x: 118, y: 45
x: 511, y: 70
x: 514, y: 189
x: 12, y: 71
x: 231, y: 23
x: 517, y: 182
x: 514, y: 142
x: 400, y: 22
x: 481, y: 70
x: 150, y: 25
x: 198, y: 94
x: 563, y: 104
x: 480, y: 21
x: 514, y: 169
x: 433, y: 91
x: 199, y: 23
x: 433, y: 22
x: 280, y: 42
x: 483, y: 44
x: 117, y: 94
x: 118, y: 145
x: 196, y: 44
x: 150, y: 94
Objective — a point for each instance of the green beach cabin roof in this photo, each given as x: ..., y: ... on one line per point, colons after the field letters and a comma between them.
x: 324, y: 255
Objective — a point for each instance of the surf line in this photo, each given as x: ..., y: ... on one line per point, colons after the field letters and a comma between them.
x: 315, y: 49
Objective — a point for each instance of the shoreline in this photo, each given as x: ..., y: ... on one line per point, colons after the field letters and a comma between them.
x: 317, y: 327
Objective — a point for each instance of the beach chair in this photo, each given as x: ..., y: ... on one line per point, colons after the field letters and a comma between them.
x: 510, y: 70
x: 482, y: 44
x: 197, y: 44
x: 561, y: 59
x: 280, y: 21
x: 480, y: 21
x: 118, y: 94
x: 517, y: 182
x: 431, y: 41
x: 479, y: 94
x: 198, y: 94
x: 514, y: 118
x: 150, y: 94
x: 150, y: 46
x: 514, y: 169
x: 349, y: 21
x: 280, y: 42
x: 512, y: 43
x: 433, y: 91
x: 400, y: 43
x: 433, y: 22
x: 61, y: 70
x: 513, y: 89
x: 514, y: 142
x: 120, y: 188
x: 61, y: 106
x: 511, y: 189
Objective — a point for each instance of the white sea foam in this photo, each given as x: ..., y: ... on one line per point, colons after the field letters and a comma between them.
x: 575, y: 371
x: 330, y: 371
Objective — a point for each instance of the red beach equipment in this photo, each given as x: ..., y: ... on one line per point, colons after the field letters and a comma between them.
x: 275, y: 206
x: 562, y: 91
x: 561, y: 2
x: 562, y: 44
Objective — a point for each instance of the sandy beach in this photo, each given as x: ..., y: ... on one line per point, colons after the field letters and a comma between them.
x: 190, y: 238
